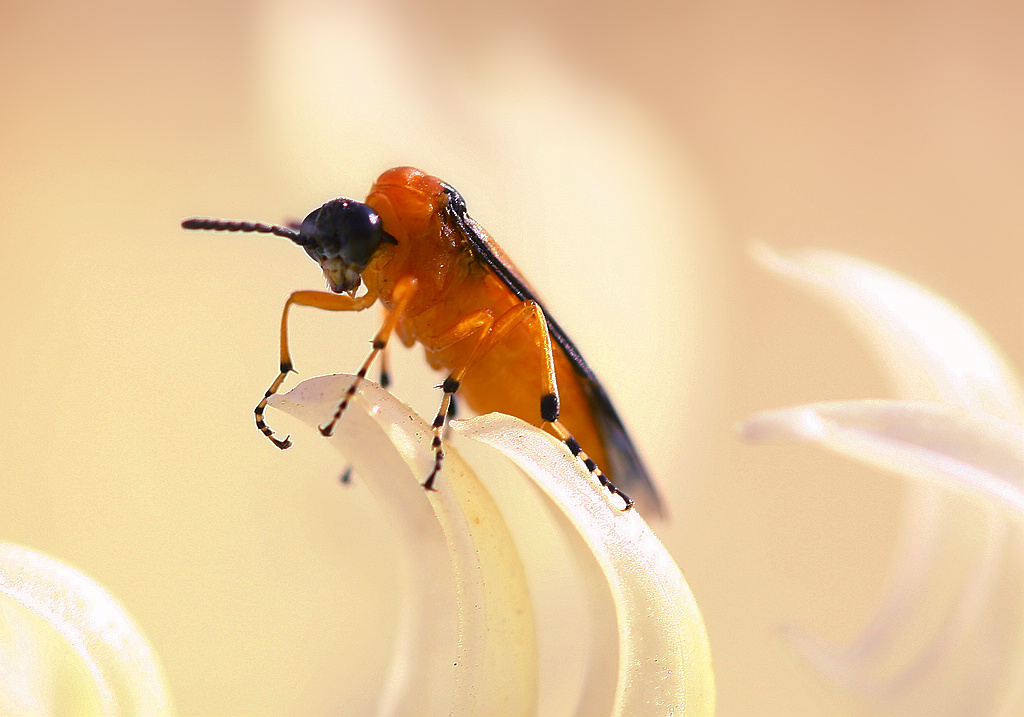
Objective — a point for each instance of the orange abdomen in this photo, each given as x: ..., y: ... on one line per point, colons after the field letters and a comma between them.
x: 509, y: 377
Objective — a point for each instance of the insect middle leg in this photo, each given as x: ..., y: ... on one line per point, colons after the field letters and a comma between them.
x: 477, y: 325
x: 320, y: 300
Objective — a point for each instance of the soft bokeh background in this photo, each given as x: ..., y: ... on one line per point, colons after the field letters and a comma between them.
x: 625, y: 156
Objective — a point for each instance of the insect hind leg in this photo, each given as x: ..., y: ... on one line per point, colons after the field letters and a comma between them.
x: 574, y: 447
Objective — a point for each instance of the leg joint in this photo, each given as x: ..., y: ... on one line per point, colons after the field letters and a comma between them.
x: 549, y: 408
x: 573, y: 446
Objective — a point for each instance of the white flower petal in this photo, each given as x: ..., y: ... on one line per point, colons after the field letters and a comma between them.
x: 466, y: 644
x: 931, y: 351
x: 664, y: 664
x: 971, y: 453
x: 120, y: 664
x: 26, y: 673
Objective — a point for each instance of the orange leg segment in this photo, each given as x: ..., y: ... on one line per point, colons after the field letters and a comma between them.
x: 320, y: 300
x: 385, y: 368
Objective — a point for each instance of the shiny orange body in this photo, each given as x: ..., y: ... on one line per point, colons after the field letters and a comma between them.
x: 453, y: 283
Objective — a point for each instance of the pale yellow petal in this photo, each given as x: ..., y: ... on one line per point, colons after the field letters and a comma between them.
x: 116, y: 671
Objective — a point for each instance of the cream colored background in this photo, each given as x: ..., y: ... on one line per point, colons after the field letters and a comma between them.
x: 132, y: 352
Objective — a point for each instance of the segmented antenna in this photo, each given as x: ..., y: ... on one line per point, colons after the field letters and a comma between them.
x: 224, y: 225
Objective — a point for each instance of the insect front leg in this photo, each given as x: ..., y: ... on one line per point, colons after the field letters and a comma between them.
x: 320, y: 300
x: 401, y: 295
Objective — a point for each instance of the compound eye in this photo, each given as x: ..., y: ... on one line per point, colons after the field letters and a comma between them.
x: 364, y: 233
x: 362, y: 221
x: 316, y: 238
x: 309, y: 223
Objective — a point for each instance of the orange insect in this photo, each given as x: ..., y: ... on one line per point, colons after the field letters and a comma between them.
x: 447, y: 285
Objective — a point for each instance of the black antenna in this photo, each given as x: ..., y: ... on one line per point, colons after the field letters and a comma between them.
x: 223, y: 225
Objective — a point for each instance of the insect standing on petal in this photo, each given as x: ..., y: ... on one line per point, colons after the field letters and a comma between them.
x: 446, y: 284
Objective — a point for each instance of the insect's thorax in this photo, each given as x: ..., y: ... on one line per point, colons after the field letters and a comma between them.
x: 411, y: 206
x: 452, y: 285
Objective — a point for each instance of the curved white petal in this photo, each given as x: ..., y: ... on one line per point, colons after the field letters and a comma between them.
x: 971, y: 453
x: 931, y: 351
x: 664, y: 660
x: 466, y: 641
x: 123, y: 675
x: 648, y: 653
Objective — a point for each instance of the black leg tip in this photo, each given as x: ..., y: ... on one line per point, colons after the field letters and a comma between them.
x: 327, y: 431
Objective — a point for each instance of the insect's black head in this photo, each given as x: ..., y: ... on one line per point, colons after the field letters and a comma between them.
x: 342, y: 236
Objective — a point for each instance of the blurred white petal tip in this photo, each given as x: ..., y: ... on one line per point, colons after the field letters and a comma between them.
x: 778, y: 424
x: 930, y: 349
